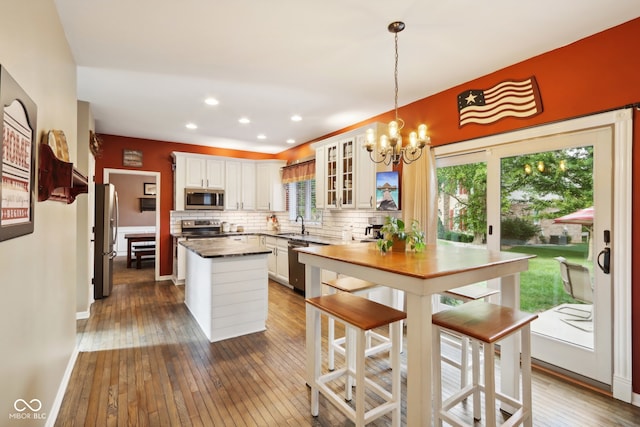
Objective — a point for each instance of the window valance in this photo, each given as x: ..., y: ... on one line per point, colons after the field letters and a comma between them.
x: 302, y: 171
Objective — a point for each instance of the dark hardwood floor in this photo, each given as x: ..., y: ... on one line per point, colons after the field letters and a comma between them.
x: 144, y: 362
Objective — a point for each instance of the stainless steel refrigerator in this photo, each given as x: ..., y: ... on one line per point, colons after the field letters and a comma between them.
x: 106, y: 239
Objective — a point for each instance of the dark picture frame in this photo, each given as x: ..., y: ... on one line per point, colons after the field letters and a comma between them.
x: 18, y: 153
x: 150, y: 189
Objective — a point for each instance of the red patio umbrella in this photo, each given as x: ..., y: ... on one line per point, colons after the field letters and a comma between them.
x: 582, y: 217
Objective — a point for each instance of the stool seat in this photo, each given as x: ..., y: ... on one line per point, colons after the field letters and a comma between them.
x: 485, y: 323
x: 350, y: 284
x: 360, y: 315
x: 471, y: 292
x: 359, y: 312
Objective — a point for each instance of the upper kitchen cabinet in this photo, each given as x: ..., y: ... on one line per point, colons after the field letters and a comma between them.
x: 269, y: 191
x: 365, y: 180
x: 345, y: 176
x: 240, y: 191
x: 195, y: 171
x: 204, y: 173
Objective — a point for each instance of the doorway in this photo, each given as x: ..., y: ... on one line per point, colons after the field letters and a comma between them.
x: 144, y: 191
x: 514, y: 204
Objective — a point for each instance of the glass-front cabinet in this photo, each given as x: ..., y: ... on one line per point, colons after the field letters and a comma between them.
x: 339, y: 174
x: 345, y: 176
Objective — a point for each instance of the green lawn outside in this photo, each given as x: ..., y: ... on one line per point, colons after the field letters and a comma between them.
x: 541, y: 286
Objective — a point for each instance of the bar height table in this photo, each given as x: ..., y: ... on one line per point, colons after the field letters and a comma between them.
x: 420, y: 275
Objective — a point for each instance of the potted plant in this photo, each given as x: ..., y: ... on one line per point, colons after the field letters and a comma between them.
x: 395, y: 237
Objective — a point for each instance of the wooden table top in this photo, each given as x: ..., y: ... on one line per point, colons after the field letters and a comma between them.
x: 434, y: 261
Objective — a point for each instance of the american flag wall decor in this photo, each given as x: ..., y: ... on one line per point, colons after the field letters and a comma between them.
x: 506, y: 99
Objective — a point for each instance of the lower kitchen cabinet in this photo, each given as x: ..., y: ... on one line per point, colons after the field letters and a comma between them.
x: 278, y: 259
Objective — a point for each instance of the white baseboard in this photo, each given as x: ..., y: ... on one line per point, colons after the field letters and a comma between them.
x: 635, y: 399
x: 57, y: 403
x: 83, y: 315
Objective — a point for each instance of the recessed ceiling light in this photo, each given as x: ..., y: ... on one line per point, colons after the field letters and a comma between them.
x: 291, y: 141
x: 244, y: 120
x: 211, y: 101
x: 191, y: 126
x: 262, y: 136
x: 296, y: 118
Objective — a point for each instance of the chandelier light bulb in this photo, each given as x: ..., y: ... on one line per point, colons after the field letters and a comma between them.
x: 413, y: 140
x: 384, y: 142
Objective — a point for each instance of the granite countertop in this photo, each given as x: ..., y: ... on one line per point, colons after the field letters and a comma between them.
x: 308, y: 238
x: 218, y: 248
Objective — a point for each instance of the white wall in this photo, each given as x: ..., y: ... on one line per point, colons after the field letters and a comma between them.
x: 38, y: 271
x: 86, y: 164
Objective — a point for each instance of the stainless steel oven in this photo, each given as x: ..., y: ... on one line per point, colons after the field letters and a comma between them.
x: 296, y: 269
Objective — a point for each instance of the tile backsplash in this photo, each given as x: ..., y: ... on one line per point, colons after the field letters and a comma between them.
x: 333, y: 221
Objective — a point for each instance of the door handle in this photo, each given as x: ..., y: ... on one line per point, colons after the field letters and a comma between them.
x: 605, y: 255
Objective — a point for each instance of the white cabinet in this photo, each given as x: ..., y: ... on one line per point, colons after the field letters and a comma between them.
x: 204, y: 173
x: 269, y: 191
x: 195, y: 171
x: 321, y: 166
x: 240, y: 191
x: 365, y: 179
x: 345, y: 175
x: 248, y: 184
x: 278, y: 259
x: 179, y: 261
x: 282, y: 260
x: 338, y: 172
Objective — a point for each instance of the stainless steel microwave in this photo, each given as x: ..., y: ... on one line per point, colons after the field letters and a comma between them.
x: 203, y: 199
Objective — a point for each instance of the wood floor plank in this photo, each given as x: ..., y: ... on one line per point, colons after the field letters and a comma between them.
x: 143, y: 361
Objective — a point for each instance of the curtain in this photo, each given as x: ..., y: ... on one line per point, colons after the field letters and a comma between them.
x: 420, y: 194
x: 299, y: 172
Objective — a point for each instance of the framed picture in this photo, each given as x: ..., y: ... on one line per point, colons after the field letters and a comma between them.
x: 149, y: 188
x: 387, y: 191
x: 18, y: 153
x: 132, y: 158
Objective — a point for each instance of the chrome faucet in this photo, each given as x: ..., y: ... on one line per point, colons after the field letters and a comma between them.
x: 302, y: 218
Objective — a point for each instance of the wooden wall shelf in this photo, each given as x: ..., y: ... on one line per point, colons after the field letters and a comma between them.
x: 58, y: 180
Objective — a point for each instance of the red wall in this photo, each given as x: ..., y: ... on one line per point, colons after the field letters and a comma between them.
x: 156, y: 157
x: 595, y: 74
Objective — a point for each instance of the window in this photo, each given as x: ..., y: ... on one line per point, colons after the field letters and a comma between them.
x: 301, y: 200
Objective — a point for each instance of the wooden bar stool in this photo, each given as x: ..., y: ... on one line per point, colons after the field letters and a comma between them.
x: 484, y: 323
x: 337, y: 345
x: 468, y: 293
x: 361, y: 315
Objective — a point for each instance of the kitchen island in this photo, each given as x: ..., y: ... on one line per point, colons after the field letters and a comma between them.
x: 226, y: 287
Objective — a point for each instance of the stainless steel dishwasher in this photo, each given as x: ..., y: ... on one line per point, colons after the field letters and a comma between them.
x: 296, y: 269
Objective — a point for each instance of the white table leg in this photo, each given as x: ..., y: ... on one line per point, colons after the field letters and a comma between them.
x: 419, y: 360
x: 313, y: 289
x: 510, y: 347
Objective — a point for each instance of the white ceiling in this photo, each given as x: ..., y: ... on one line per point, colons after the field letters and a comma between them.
x: 146, y: 66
